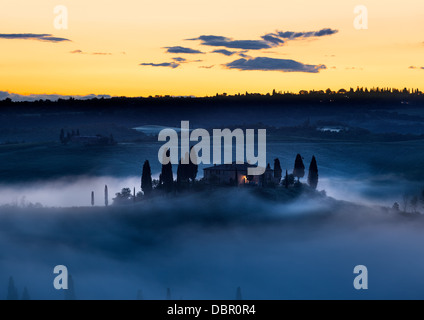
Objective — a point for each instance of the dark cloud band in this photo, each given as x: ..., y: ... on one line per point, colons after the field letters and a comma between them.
x: 178, y: 49
x: 290, y: 35
x: 271, y: 64
x: 225, y: 52
x: 172, y: 65
x: 219, y: 41
x: 32, y: 36
x: 269, y: 40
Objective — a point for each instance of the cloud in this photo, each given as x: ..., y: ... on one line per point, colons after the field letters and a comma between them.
x: 207, y: 67
x: 325, y: 32
x: 52, y: 97
x: 209, y: 38
x: 270, y: 64
x: 269, y: 40
x: 291, y: 35
x: 92, y: 53
x: 272, y: 39
x: 179, y: 59
x: 178, y: 49
x: 225, y: 52
x: 243, y: 55
x: 414, y: 67
x: 219, y: 41
x: 172, y: 65
x: 32, y: 36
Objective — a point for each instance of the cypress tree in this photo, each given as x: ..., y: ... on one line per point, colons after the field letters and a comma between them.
x: 179, y: 174
x: 106, y: 196
x: 192, y: 166
x: 313, y: 173
x: 299, y: 168
x: 167, y: 176
x: 183, y: 170
x: 278, y: 172
x: 146, y: 178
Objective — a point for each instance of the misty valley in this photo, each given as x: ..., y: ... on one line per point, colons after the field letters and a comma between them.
x: 81, y: 185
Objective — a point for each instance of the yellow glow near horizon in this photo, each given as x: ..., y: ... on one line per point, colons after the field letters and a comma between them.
x: 135, y: 32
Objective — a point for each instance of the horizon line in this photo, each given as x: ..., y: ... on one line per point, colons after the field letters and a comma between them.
x: 16, y: 97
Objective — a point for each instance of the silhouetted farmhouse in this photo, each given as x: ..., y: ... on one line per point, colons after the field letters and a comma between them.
x: 236, y: 174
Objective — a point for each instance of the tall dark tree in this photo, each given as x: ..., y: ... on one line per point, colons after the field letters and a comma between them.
x: 146, y: 178
x: 167, y: 175
x: 12, y: 292
x: 278, y: 172
x: 134, y: 195
x: 106, y: 196
x: 183, y: 174
x: 187, y: 169
x: 313, y: 173
x: 180, y: 174
x: 299, y: 167
x: 265, y: 176
x: 192, y: 166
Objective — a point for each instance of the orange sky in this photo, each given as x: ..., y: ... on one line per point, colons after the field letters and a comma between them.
x: 134, y: 32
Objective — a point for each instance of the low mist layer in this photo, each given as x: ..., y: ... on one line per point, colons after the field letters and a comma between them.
x: 205, y: 247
